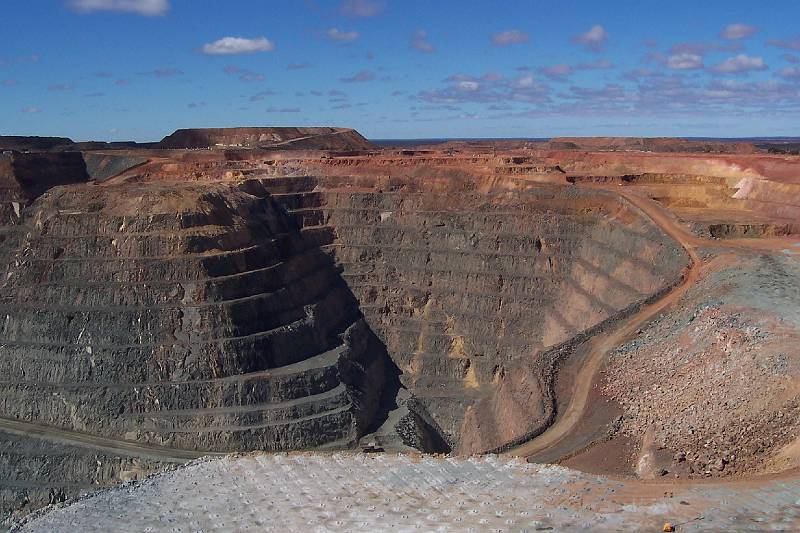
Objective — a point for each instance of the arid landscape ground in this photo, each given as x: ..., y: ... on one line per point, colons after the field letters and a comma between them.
x: 394, y: 335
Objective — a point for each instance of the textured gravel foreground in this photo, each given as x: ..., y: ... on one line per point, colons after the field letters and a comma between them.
x: 355, y: 492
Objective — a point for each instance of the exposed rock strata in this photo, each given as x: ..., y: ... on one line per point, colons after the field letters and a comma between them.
x: 468, y: 289
x: 195, y: 317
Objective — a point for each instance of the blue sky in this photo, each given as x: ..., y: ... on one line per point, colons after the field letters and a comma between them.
x: 138, y: 69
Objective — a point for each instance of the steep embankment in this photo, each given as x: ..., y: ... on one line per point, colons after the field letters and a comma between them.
x: 189, y: 317
x: 104, y: 165
x: 26, y: 176
x: 165, y: 319
x: 722, y: 195
x: 469, y: 290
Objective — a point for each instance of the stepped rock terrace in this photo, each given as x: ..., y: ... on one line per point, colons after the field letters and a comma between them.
x: 289, y: 289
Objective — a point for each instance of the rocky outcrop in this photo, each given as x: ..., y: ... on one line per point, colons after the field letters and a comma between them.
x: 26, y: 176
x: 35, y: 472
x: 102, y: 166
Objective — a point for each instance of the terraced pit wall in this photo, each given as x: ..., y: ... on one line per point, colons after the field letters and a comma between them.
x: 193, y: 317
x: 467, y: 289
x: 274, y: 313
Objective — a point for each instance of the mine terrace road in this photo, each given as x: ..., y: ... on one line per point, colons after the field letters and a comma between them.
x: 104, y: 444
x: 603, y: 343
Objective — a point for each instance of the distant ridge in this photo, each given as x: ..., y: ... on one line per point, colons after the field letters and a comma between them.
x: 283, y: 138
x: 650, y: 144
x: 22, y: 143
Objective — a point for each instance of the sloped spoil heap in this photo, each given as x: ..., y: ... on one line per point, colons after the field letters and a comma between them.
x: 194, y: 317
x: 470, y: 292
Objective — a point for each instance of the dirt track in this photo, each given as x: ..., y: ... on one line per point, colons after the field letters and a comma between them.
x: 111, y: 446
x: 602, y: 344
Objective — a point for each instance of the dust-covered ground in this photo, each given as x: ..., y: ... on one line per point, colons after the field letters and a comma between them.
x: 711, y: 388
x: 357, y: 492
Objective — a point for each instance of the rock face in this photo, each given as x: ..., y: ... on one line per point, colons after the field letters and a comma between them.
x: 239, y: 315
x: 101, y: 166
x: 468, y: 291
x: 283, y: 138
x: 196, y: 317
x: 36, y: 472
x: 26, y: 176
x: 236, y: 300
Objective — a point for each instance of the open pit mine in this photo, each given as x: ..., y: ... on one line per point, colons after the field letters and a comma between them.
x: 575, y: 333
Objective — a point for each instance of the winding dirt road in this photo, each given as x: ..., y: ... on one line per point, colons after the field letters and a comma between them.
x: 104, y: 444
x: 603, y: 343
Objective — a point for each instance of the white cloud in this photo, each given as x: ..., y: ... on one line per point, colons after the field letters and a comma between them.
x: 524, y: 82
x: 790, y: 73
x: 791, y: 44
x: 335, y: 34
x: 32, y: 110
x: 684, y: 61
x: 364, y: 75
x: 238, y: 45
x: 147, y: 8
x: 243, y: 73
x: 557, y: 72
x: 509, y: 37
x: 362, y: 8
x: 419, y: 41
x: 702, y: 49
x: 737, y: 31
x: 491, y: 88
x: 469, y: 86
x: 562, y: 71
x: 740, y: 63
x: 594, y: 39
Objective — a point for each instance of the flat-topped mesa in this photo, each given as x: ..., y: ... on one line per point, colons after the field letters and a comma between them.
x: 22, y: 143
x: 650, y: 144
x: 317, y: 138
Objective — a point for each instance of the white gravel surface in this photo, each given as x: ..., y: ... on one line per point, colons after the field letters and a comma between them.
x: 356, y: 492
